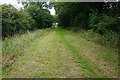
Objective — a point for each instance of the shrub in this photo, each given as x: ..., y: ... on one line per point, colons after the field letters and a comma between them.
x: 42, y: 16
x: 102, y: 23
x: 15, y: 21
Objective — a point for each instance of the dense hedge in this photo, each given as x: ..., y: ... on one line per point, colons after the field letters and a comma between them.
x: 14, y: 21
x: 98, y: 16
x: 18, y: 21
x: 42, y: 16
x: 103, y: 23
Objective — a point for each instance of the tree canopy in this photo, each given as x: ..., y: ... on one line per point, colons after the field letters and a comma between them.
x: 33, y: 16
x: 101, y: 17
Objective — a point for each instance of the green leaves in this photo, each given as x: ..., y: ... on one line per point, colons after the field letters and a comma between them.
x: 14, y: 21
x: 42, y: 17
x: 18, y: 21
x: 72, y: 14
x: 103, y: 23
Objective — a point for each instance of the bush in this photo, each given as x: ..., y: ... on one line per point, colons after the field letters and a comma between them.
x: 102, y: 23
x: 15, y: 21
x: 42, y: 16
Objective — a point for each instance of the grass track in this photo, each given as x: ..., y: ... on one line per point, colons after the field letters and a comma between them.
x: 84, y: 63
x: 57, y: 55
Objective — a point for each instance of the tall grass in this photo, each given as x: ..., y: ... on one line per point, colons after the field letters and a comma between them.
x: 110, y: 39
x: 19, y: 44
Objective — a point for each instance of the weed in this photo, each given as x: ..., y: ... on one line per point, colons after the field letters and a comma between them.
x: 19, y: 44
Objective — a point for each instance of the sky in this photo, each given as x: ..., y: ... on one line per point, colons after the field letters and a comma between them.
x: 18, y: 6
x: 12, y: 2
x: 52, y: 11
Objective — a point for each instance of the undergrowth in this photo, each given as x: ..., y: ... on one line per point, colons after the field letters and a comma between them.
x: 18, y: 45
x: 110, y: 39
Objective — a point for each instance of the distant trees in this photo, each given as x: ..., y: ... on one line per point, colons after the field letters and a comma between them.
x: 100, y: 17
x: 72, y: 14
x: 42, y: 16
x: 32, y: 17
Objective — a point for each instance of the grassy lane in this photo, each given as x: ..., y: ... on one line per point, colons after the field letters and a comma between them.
x: 92, y: 67
x: 45, y: 58
x: 59, y: 54
x: 100, y: 55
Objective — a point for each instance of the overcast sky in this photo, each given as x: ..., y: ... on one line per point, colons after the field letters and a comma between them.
x: 18, y: 6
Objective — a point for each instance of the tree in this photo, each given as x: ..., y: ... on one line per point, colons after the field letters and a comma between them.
x: 72, y: 14
x: 42, y: 16
x: 14, y: 21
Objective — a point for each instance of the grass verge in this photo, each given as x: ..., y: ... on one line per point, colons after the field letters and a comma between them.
x: 88, y: 70
x: 18, y: 45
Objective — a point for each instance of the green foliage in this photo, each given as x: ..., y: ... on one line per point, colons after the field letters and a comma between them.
x: 80, y: 20
x: 70, y: 15
x: 18, y: 21
x: 14, y: 21
x: 55, y: 17
x: 102, y: 23
x: 42, y: 16
x: 107, y: 28
x: 102, y: 18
